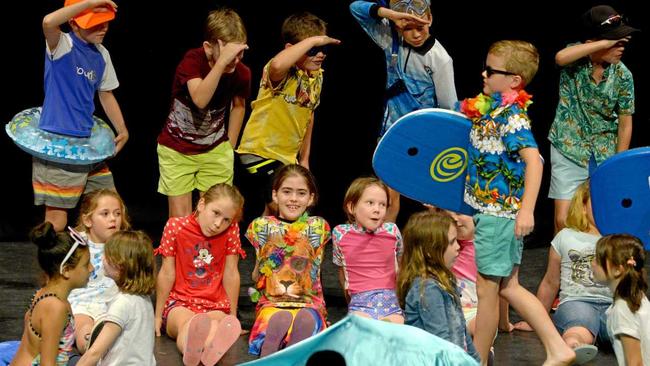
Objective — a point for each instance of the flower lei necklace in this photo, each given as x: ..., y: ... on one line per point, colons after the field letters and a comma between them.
x: 477, y: 107
x: 283, y: 249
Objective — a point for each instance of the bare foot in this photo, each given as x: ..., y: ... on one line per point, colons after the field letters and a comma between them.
x: 566, y: 357
x: 523, y: 326
x: 506, y: 328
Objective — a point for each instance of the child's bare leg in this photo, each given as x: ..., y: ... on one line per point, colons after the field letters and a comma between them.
x: 576, y: 336
x: 178, y: 322
x: 487, y: 318
x: 394, y: 318
x: 361, y: 314
x: 561, y: 212
x: 532, y: 310
x: 180, y: 206
x: 58, y: 217
x: 393, y: 208
x: 504, y: 316
x: 83, y: 325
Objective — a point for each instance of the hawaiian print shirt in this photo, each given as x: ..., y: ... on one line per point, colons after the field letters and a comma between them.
x: 495, y: 173
x: 289, y: 258
x: 586, y: 120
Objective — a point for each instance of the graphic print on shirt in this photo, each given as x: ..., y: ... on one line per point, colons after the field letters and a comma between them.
x: 203, y: 267
x: 581, y: 267
x: 202, y: 127
x: 287, y: 267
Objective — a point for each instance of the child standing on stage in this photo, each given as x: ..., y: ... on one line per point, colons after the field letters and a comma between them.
x: 580, y: 316
x: 593, y: 120
x: 367, y: 251
x: 102, y: 213
x: 503, y: 178
x: 195, y: 147
x: 197, y: 288
x: 68, y: 143
x: 419, y: 70
x: 619, y: 263
x: 289, y: 251
x: 124, y: 333
x: 426, y: 285
x: 48, y: 337
x: 279, y: 130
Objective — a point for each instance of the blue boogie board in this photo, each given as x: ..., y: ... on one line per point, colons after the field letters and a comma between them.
x: 423, y: 156
x: 620, y: 194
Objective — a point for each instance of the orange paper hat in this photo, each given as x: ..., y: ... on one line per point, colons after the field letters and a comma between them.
x: 90, y: 18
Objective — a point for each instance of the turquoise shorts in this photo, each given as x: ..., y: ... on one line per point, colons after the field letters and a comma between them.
x: 497, y: 248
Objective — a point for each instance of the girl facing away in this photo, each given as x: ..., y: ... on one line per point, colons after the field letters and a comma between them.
x: 619, y: 263
x: 426, y: 286
x: 289, y: 250
x: 580, y: 316
x: 198, y: 284
x: 102, y: 213
x: 367, y: 251
x: 123, y: 336
x: 48, y: 337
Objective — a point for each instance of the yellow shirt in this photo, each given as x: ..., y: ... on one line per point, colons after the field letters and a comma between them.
x: 281, y: 114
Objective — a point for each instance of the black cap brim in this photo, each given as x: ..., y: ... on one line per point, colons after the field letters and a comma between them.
x: 619, y: 32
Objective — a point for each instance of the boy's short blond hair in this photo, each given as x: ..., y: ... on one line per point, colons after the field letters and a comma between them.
x: 302, y: 25
x: 226, y: 25
x: 520, y: 57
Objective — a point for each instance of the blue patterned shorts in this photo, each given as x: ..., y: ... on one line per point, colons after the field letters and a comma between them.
x: 376, y: 303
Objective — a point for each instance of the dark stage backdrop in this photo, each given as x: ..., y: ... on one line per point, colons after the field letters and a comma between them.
x: 147, y: 40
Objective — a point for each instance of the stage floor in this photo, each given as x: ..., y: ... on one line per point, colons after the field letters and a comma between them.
x: 19, y: 279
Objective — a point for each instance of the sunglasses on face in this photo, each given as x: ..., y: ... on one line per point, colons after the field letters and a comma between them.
x: 315, y: 50
x: 78, y: 240
x: 489, y: 71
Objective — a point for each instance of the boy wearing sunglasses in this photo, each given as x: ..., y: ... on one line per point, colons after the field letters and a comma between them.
x: 504, y: 174
x: 279, y: 129
x: 419, y: 70
x: 593, y: 120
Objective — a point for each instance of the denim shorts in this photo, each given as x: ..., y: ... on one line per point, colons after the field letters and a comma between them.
x: 497, y: 248
x: 586, y: 314
x: 566, y: 176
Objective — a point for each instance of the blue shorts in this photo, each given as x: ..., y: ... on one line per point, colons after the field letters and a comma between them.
x: 497, y: 248
x: 376, y: 303
x: 586, y: 314
x: 566, y: 176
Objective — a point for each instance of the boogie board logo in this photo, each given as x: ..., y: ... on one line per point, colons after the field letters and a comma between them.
x: 449, y: 164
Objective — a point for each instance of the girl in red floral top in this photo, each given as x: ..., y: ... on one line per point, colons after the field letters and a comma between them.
x: 198, y: 284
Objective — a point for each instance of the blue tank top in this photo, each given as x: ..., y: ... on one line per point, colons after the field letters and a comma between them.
x: 71, y: 82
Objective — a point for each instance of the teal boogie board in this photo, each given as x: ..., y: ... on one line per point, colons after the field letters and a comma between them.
x: 361, y: 341
x: 620, y: 194
x: 423, y: 156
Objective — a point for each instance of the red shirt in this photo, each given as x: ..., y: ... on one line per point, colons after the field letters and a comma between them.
x: 200, y: 260
x: 190, y: 130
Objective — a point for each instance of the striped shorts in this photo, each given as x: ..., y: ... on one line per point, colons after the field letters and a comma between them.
x: 61, y: 185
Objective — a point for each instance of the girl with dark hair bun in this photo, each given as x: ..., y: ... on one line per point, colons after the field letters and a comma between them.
x: 48, y: 335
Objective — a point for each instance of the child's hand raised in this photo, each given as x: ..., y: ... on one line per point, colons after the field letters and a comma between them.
x: 101, y: 6
x: 228, y: 51
x: 403, y: 20
x: 325, y: 40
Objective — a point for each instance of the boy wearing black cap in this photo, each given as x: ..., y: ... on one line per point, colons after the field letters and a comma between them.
x: 593, y: 120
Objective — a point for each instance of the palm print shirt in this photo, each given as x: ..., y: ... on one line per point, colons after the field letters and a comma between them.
x: 586, y: 120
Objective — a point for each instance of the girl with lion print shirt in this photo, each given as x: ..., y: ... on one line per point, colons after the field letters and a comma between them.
x: 289, y: 250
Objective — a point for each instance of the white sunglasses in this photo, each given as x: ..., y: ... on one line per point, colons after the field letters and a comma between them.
x: 78, y: 239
